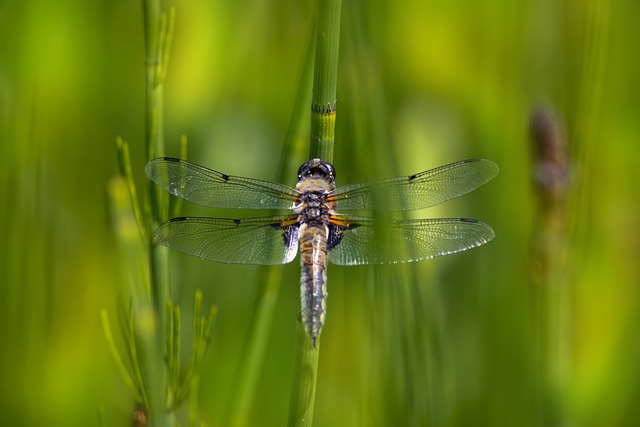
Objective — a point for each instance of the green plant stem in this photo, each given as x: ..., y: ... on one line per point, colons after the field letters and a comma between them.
x: 153, y: 90
x: 325, y: 79
x: 322, y: 138
x: 115, y: 354
x: 251, y: 364
x: 157, y: 29
x: 269, y: 278
x: 303, y: 393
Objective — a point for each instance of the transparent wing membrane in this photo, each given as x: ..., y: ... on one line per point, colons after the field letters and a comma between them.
x: 266, y: 241
x: 207, y: 187
x: 353, y: 240
x: 428, y: 188
x: 384, y: 242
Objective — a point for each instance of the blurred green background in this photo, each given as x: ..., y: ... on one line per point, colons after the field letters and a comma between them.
x: 448, y: 342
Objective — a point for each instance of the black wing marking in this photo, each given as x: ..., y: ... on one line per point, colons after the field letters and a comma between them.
x: 265, y: 241
x: 215, y: 189
x: 428, y: 188
x: 366, y: 241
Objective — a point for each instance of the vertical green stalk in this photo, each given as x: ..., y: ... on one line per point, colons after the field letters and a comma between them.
x: 158, y: 28
x: 246, y: 381
x: 325, y: 80
x: 303, y: 391
x: 322, y: 138
x: 152, y: 325
x: 270, y: 278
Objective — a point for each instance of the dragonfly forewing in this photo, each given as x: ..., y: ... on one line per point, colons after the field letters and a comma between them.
x: 418, y: 191
x: 265, y: 241
x: 210, y: 188
x: 367, y: 241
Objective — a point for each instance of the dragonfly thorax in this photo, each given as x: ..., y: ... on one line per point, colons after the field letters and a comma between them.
x: 315, y: 184
x: 313, y: 206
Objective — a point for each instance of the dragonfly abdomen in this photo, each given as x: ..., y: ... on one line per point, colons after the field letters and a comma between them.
x: 313, y: 278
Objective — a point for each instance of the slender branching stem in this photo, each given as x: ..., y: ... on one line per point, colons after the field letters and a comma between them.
x: 158, y: 28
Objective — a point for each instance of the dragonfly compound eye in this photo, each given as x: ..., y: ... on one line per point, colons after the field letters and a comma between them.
x: 316, y: 168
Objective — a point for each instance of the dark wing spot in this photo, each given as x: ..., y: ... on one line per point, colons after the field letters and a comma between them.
x: 412, y: 177
x: 177, y: 219
x: 171, y: 159
x: 225, y: 177
x: 335, y: 234
x: 289, y: 233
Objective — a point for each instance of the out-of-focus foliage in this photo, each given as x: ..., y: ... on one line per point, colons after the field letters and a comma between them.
x: 453, y: 341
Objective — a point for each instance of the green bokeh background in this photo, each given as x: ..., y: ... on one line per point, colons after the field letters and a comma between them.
x: 421, y: 83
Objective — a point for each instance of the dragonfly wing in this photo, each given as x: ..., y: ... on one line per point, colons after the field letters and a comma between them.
x: 428, y: 188
x: 265, y: 241
x: 365, y: 241
x: 215, y: 189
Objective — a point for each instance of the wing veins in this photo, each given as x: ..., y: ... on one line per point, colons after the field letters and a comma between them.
x: 250, y: 241
x: 367, y: 241
x: 211, y: 188
x: 418, y: 191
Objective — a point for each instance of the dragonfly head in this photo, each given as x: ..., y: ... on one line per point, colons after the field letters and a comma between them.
x: 316, y: 168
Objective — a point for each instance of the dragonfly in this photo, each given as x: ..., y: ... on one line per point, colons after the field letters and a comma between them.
x: 323, y: 223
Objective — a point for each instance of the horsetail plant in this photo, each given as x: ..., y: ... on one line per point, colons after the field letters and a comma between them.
x: 151, y: 324
x: 322, y: 138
